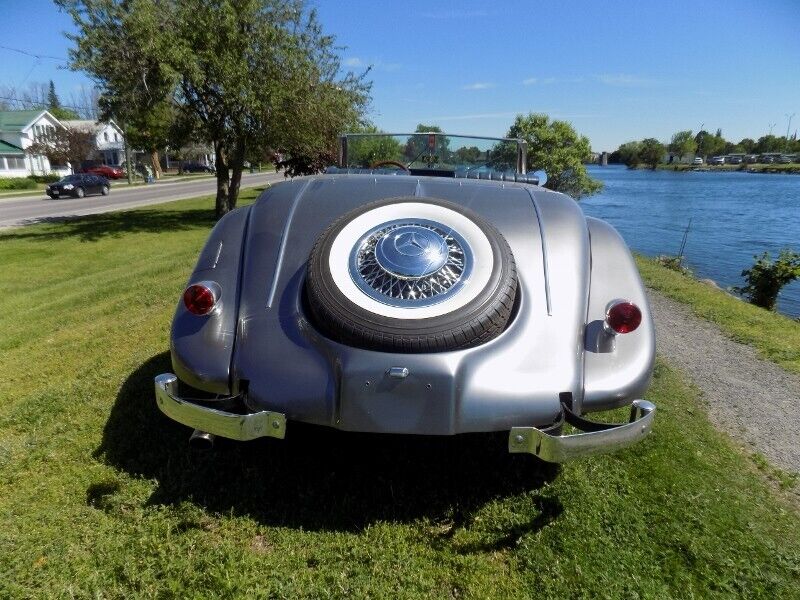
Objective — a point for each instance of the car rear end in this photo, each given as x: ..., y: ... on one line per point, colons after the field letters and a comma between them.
x: 578, y: 336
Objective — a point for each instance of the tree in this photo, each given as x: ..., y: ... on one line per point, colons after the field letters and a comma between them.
x: 731, y: 148
x: 708, y: 144
x: 766, y: 277
x: 769, y: 143
x: 86, y: 102
x: 558, y: 149
x: 747, y: 145
x: 628, y: 154
x: 651, y: 152
x: 366, y: 151
x: 52, y: 97
x: 118, y: 44
x: 418, y: 146
x: 65, y: 145
x: 246, y: 74
x: 682, y: 143
x: 54, y: 105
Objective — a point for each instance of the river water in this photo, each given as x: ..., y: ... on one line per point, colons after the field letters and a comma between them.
x: 733, y: 217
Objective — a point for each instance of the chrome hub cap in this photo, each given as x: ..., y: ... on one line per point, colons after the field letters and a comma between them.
x: 411, y: 251
x: 410, y: 263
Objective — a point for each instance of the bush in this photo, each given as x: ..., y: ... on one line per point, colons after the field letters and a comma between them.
x: 766, y: 277
x: 51, y: 178
x: 674, y: 263
x: 17, y: 183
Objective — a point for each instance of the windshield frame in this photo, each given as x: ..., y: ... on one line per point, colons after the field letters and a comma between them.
x: 522, y: 145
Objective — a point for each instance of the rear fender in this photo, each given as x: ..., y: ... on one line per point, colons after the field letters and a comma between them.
x: 202, y: 346
x: 617, y: 369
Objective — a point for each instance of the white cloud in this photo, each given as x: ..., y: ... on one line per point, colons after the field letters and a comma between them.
x: 480, y: 85
x: 386, y: 66
x: 626, y: 80
x: 550, y: 80
x: 354, y: 62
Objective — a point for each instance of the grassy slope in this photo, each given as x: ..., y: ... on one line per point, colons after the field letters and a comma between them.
x: 99, y: 494
x: 776, y: 337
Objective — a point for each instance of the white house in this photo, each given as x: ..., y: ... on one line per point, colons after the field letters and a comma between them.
x: 108, y: 137
x: 18, y: 130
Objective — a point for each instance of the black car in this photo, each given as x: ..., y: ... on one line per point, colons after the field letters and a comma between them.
x: 78, y: 186
x: 196, y: 167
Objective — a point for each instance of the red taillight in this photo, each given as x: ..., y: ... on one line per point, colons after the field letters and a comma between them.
x: 199, y: 299
x: 623, y: 316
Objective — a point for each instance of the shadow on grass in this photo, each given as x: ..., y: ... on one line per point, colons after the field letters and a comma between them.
x: 91, y: 228
x: 317, y: 478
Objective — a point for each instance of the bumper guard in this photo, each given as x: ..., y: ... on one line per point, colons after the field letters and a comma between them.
x: 210, y: 420
x: 597, y: 438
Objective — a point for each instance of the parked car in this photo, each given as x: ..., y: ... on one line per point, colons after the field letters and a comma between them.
x: 785, y: 159
x: 106, y: 171
x: 751, y: 159
x: 196, y: 167
x: 717, y: 160
x: 768, y: 160
x: 698, y: 160
x: 733, y: 160
x: 437, y: 291
x: 78, y: 186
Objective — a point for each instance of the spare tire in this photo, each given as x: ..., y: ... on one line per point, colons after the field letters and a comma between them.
x: 411, y: 275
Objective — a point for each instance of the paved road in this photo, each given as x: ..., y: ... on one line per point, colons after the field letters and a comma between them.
x: 26, y: 211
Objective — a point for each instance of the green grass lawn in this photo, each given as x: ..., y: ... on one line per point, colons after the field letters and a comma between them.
x: 101, y: 497
x: 775, y: 336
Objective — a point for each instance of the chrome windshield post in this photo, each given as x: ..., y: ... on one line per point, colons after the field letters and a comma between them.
x: 522, y: 157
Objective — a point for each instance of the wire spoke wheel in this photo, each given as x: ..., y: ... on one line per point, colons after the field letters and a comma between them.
x: 411, y: 275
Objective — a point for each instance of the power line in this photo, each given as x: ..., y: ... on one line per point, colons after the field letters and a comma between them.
x: 36, y: 63
x: 44, y: 106
x: 39, y: 56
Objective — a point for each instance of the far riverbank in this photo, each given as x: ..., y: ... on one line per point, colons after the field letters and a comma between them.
x: 790, y: 169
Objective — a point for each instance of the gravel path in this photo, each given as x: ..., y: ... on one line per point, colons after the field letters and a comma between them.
x: 750, y: 398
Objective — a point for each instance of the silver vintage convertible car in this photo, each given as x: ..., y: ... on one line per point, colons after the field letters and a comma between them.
x: 426, y: 285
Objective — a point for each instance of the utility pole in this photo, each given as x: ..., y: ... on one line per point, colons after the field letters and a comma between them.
x: 700, y: 137
x: 128, y: 165
x: 789, y: 125
x: 771, y: 125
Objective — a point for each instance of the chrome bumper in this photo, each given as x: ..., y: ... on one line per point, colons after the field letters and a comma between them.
x: 224, y: 424
x: 608, y: 437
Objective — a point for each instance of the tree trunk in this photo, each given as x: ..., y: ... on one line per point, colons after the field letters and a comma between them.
x: 236, y: 180
x: 223, y: 185
x: 156, y: 164
x: 237, y: 164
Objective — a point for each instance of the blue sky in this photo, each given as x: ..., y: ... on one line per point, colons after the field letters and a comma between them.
x: 616, y: 70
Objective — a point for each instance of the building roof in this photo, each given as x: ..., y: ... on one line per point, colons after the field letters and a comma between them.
x: 6, y: 148
x: 17, y: 120
x: 87, y: 124
x: 91, y: 125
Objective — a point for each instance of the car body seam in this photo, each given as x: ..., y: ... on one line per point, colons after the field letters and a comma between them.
x: 284, y: 238
x: 544, y: 252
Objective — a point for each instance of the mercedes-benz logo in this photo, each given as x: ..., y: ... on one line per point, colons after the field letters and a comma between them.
x: 411, y: 250
x: 409, y: 244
